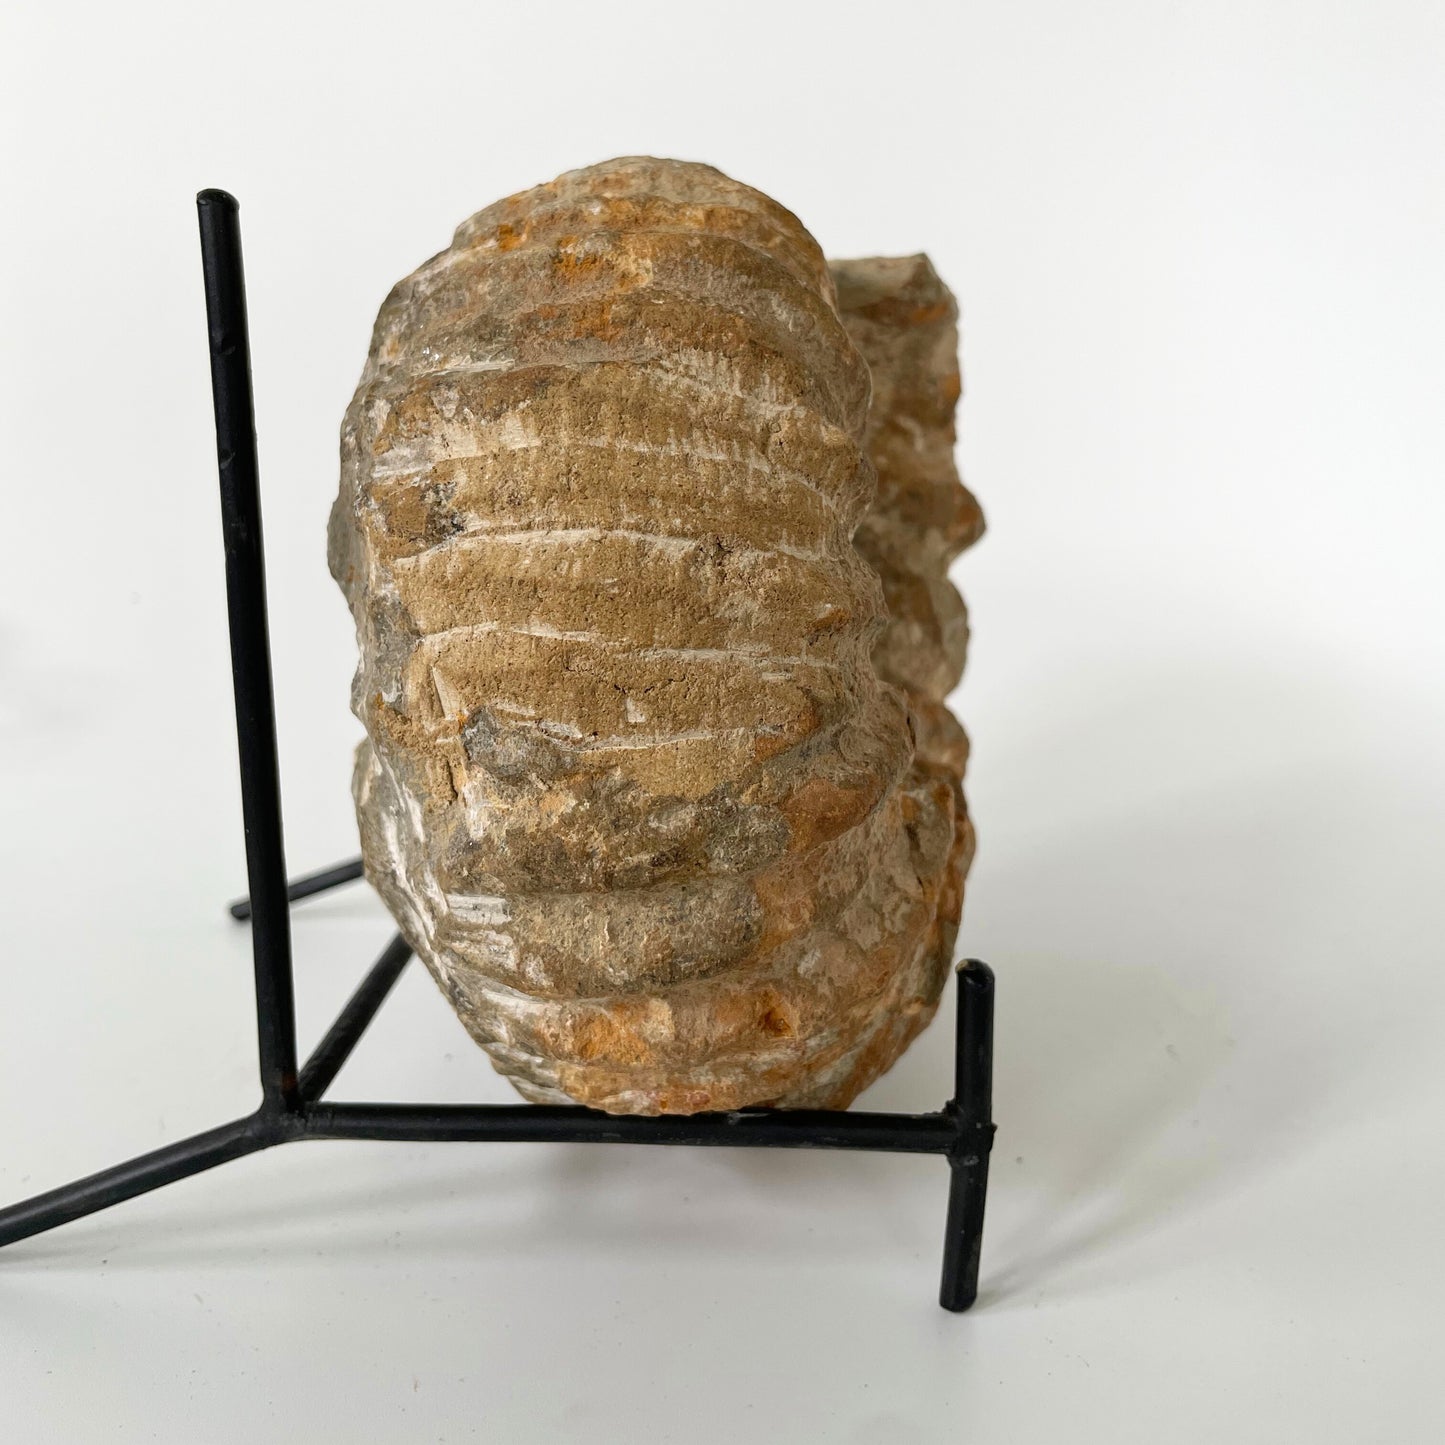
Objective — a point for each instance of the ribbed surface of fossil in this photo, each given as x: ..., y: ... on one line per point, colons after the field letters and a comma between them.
x: 633, y: 785
x: 904, y: 321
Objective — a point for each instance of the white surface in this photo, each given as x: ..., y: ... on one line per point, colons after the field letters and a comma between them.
x: 1199, y: 250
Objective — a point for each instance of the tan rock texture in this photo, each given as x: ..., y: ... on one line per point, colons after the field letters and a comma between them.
x: 632, y: 784
x: 904, y: 321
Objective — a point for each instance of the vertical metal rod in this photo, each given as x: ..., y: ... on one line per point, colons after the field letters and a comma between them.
x: 250, y: 646
x: 972, y: 1108
x: 973, y: 1043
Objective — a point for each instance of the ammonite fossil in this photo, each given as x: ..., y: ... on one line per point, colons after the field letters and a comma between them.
x: 656, y: 782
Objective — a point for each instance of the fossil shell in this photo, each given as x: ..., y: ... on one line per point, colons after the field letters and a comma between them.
x: 904, y: 321
x: 633, y: 785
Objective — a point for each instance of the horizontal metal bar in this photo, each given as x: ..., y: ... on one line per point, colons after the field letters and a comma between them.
x: 137, y: 1176
x: 333, y: 1050
x: 546, y: 1123
x: 306, y: 885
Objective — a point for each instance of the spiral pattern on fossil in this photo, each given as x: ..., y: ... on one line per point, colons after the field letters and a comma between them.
x: 632, y: 784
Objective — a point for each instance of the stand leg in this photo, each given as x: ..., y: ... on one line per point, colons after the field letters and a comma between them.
x: 307, y: 885
x: 971, y: 1107
x: 343, y: 1036
x: 125, y: 1181
x: 963, y: 1231
x: 250, y: 645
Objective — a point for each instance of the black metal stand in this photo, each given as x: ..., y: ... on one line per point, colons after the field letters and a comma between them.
x: 292, y: 1104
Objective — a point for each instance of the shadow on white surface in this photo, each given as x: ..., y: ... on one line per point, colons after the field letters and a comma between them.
x: 1182, y: 1008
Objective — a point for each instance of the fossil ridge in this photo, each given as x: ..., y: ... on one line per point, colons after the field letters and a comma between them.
x: 657, y: 776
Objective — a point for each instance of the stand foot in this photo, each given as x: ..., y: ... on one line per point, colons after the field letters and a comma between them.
x: 971, y: 1109
x: 138, y: 1176
x: 963, y: 1231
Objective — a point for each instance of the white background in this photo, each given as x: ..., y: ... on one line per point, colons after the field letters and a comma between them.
x: 1199, y: 249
